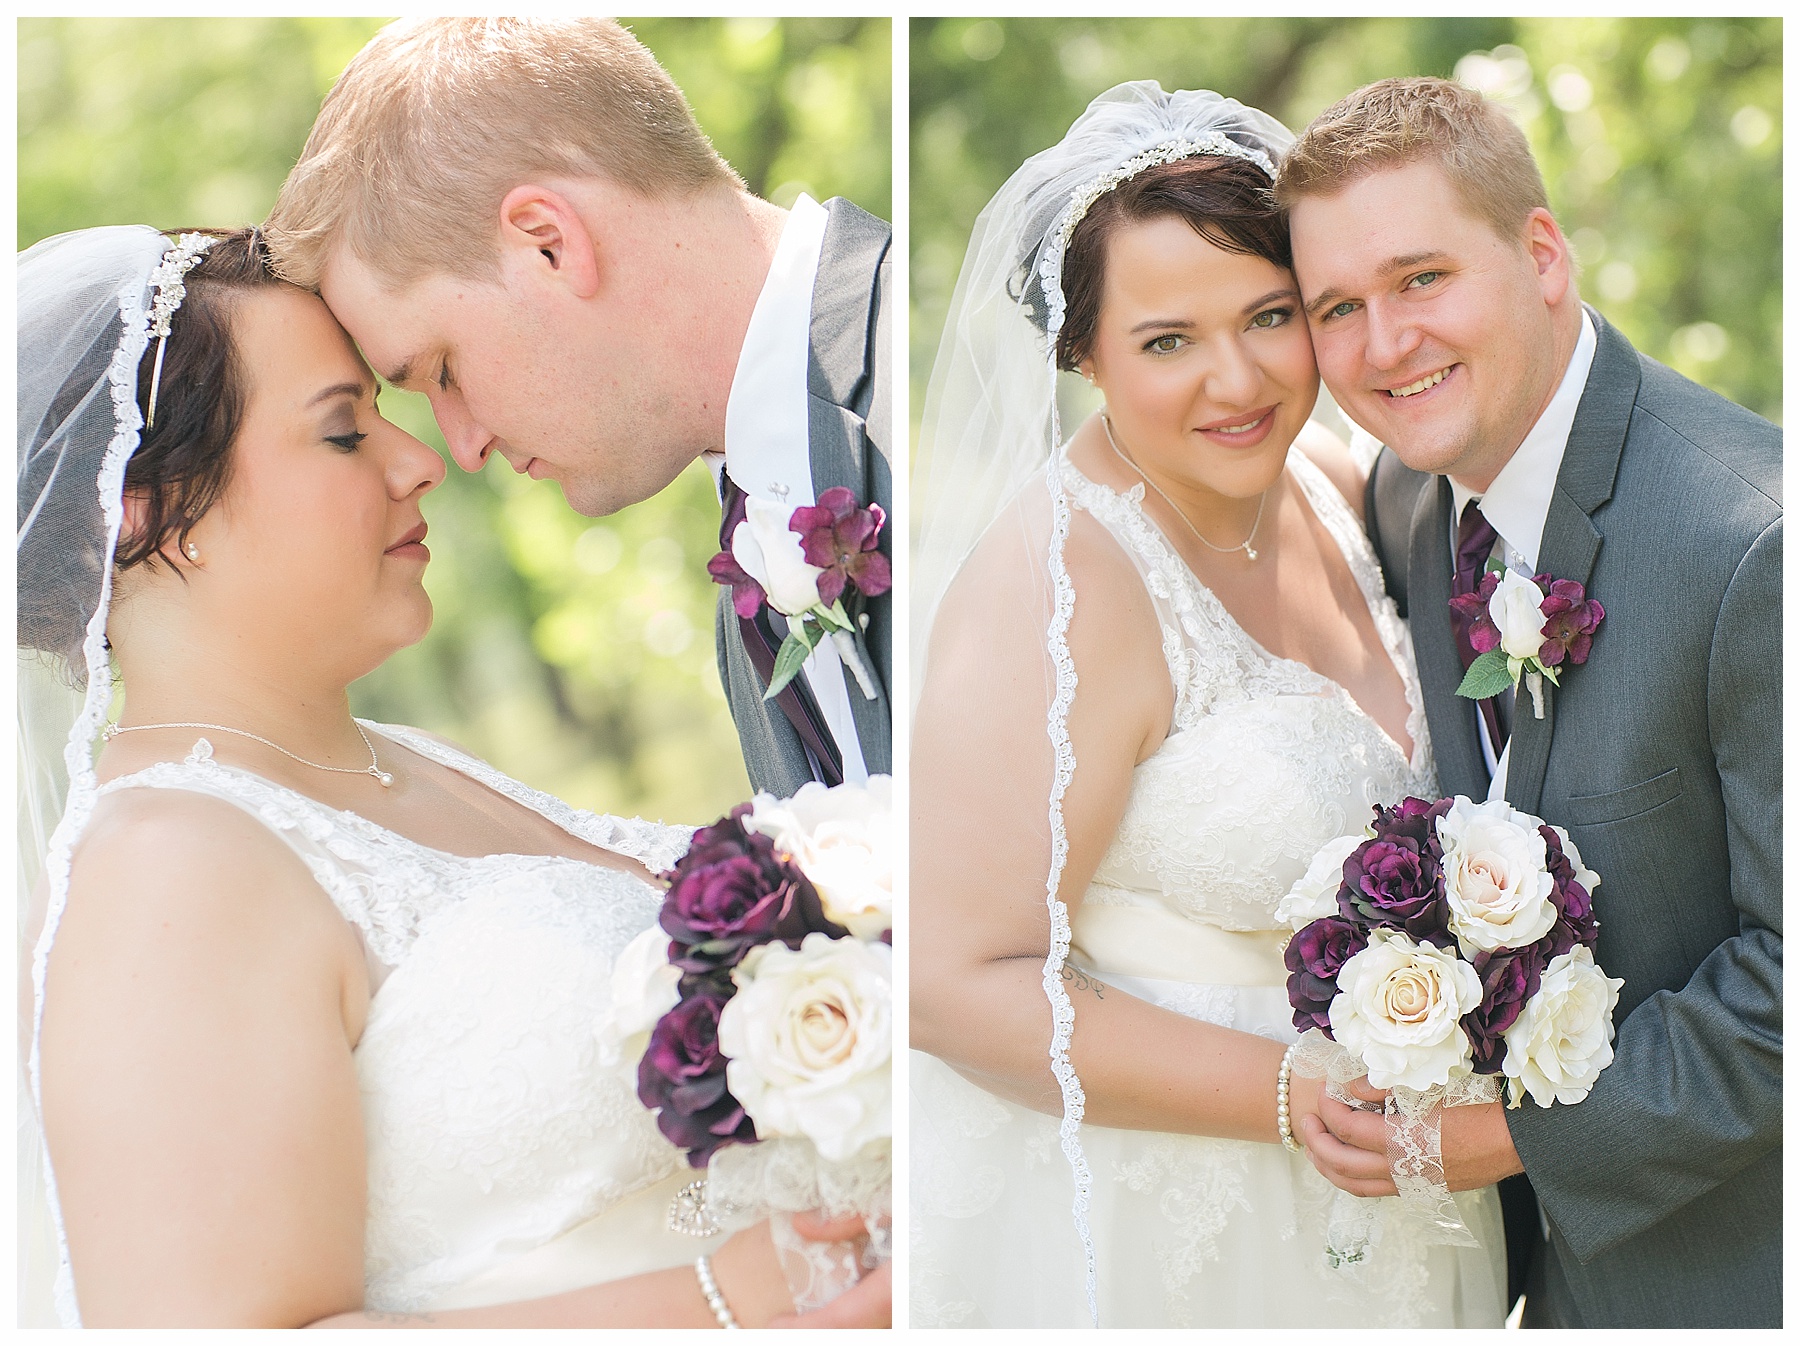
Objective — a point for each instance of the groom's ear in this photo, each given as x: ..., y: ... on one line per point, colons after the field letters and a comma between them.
x: 536, y: 220
x: 1550, y: 257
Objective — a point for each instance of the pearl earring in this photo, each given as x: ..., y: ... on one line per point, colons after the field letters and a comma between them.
x: 193, y: 551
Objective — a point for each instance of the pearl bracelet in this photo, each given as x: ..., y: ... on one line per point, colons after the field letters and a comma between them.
x: 1283, y: 1118
x: 710, y: 1288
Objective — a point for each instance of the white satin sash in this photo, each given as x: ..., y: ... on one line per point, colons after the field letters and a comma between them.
x: 1139, y: 941
x: 630, y: 1236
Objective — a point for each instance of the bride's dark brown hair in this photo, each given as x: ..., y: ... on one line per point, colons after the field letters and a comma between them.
x: 184, y: 460
x: 1226, y: 200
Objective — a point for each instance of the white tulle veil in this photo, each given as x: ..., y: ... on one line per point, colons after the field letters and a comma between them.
x: 991, y: 430
x: 85, y: 319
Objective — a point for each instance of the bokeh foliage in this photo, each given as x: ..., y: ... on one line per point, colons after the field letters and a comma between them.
x: 1660, y: 142
x: 576, y: 654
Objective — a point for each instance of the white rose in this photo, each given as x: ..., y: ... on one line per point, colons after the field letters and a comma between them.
x: 645, y: 986
x: 1583, y: 875
x: 842, y: 838
x: 1314, y: 895
x: 1397, y: 1008
x: 1562, y: 1039
x: 1517, y: 610
x: 770, y: 554
x: 1495, y: 878
x: 809, y: 1037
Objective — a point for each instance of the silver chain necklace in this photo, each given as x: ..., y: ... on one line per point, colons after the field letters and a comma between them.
x: 372, y: 769
x: 1244, y: 546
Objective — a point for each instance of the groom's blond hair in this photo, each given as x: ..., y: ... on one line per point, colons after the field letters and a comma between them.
x: 435, y: 120
x: 1396, y: 122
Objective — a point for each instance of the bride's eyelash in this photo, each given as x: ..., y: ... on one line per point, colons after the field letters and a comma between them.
x: 347, y: 442
x: 444, y: 376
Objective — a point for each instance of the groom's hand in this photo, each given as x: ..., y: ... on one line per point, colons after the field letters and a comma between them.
x: 1350, y: 1147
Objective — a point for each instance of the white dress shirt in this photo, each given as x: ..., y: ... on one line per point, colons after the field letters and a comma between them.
x: 766, y: 431
x: 1518, y: 501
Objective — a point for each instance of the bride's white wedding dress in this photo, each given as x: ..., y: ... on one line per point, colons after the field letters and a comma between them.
x: 1265, y: 761
x: 508, y: 1155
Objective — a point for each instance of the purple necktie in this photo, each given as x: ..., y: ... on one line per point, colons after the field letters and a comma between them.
x: 796, y: 699
x: 1475, y: 538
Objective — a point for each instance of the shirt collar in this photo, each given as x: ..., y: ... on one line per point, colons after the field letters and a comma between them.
x: 1518, y: 501
x: 766, y: 441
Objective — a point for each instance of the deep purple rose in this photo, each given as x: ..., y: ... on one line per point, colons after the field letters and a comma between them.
x: 840, y: 537
x: 747, y: 596
x: 1575, y: 922
x: 731, y: 892
x: 1570, y: 620
x: 1509, y: 978
x: 1484, y: 635
x: 1413, y: 819
x: 682, y: 1078
x: 1396, y: 883
x: 1315, y: 955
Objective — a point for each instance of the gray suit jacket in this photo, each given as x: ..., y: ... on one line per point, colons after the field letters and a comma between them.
x: 851, y: 437
x: 1662, y: 757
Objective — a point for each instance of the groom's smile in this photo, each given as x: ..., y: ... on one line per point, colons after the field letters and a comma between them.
x: 1433, y: 330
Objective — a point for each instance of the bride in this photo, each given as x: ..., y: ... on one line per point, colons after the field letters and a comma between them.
x: 1171, y: 631
x: 314, y: 1035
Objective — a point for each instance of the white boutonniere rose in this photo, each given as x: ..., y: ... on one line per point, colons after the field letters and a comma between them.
x: 1397, y: 1009
x: 842, y: 839
x: 1496, y: 881
x: 771, y: 554
x: 1517, y: 612
x: 808, y: 1037
x: 1562, y: 1039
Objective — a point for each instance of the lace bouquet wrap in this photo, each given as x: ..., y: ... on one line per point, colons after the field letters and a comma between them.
x: 1446, y: 954
x: 767, y: 994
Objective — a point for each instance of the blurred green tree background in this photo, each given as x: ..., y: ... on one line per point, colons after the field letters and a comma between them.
x: 1660, y: 142
x: 576, y: 654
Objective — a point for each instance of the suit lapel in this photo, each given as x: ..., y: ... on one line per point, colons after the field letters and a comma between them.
x: 843, y: 387
x: 1455, y: 740
x: 1571, y: 543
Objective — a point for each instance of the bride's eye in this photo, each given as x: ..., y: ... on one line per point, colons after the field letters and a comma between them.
x: 1167, y: 344
x: 1272, y: 317
x: 443, y: 378
x: 347, y: 442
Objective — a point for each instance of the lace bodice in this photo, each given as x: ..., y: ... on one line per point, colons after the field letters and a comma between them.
x: 1265, y: 759
x: 495, y: 1114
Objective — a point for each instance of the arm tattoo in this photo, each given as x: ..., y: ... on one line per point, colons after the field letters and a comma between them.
x: 1082, y: 982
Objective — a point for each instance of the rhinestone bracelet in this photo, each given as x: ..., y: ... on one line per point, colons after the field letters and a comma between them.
x: 710, y: 1288
x: 1284, y: 1118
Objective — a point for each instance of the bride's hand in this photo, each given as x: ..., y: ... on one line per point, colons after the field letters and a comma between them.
x: 1349, y: 1145
x: 749, y: 1275
x: 868, y: 1303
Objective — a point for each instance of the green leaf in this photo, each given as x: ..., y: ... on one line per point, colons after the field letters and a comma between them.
x: 1487, y: 676
x: 788, y: 661
x: 1495, y: 566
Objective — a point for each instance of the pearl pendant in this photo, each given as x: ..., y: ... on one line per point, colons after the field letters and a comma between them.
x: 386, y: 778
x: 1250, y: 551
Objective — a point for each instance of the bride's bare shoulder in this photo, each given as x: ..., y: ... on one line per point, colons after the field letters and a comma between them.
x: 154, y: 861
x: 997, y: 609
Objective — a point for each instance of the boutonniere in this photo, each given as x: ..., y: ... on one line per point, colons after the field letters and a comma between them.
x: 807, y: 563
x: 1524, y: 628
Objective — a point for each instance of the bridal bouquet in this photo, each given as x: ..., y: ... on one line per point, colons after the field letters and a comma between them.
x: 1446, y: 950
x: 764, y: 1008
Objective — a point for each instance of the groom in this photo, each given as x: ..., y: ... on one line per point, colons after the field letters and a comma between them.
x: 1522, y: 426
x: 522, y: 220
